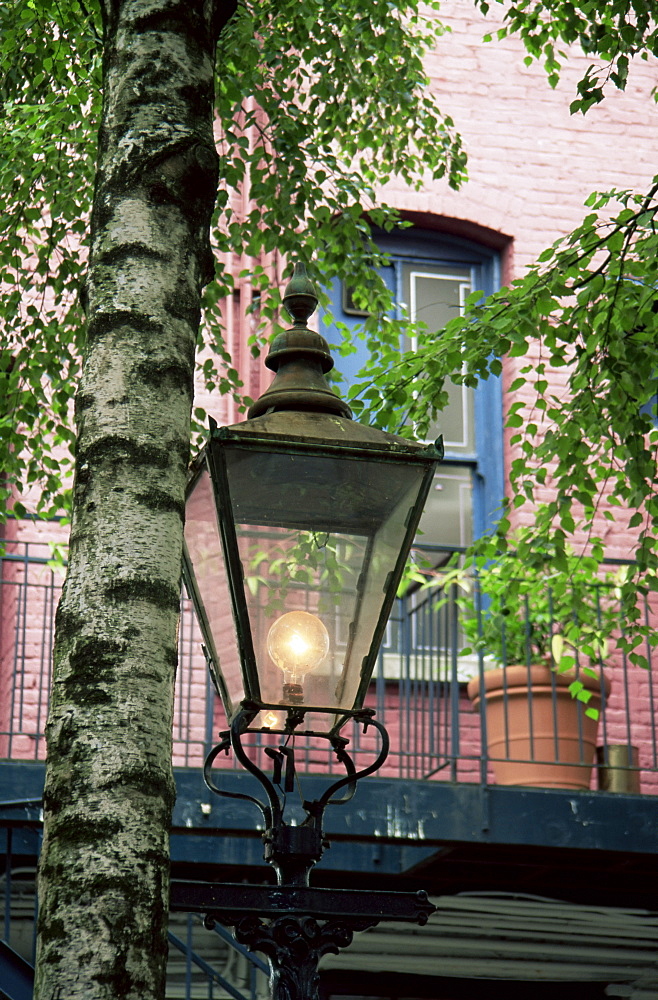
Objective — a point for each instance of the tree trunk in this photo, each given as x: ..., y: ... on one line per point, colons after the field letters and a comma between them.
x: 104, y: 872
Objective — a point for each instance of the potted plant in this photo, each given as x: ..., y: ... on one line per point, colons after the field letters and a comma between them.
x: 542, y: 627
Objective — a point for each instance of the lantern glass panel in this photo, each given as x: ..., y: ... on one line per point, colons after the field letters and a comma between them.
x: 207, y: 578
x: 319, y: 536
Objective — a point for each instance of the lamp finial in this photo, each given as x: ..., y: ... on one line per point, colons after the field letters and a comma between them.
x: 301, y: 358
x: 300, y: 297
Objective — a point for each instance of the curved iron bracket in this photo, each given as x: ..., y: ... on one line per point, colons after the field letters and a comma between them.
x: 351, y: 779
x: 225, y: 746
x: 238, y: 727
x: 293, y: 850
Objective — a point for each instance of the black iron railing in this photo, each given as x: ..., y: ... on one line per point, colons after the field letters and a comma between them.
x: 420, y: 692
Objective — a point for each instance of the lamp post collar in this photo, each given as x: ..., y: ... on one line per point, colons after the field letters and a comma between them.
x: 300, y: 358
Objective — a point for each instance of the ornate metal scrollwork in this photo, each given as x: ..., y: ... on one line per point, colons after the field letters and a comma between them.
x: 292, y: 851
x: 294, y: 946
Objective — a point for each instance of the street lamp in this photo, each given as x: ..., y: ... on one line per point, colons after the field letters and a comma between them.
x: 299, y: 522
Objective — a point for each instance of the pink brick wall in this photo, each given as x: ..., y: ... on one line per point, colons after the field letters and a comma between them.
x: 30, y: 591
x: 531, y: 164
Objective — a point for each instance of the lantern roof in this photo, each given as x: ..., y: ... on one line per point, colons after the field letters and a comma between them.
x: 311, y: 428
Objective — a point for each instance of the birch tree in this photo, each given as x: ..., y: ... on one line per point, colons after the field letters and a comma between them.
x: 103, y: 881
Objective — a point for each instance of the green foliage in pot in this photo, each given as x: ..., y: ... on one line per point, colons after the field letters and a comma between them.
x: 523, y: 608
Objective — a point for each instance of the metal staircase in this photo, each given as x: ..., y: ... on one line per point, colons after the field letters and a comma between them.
x: 211, y: 965
x: 16, y: 975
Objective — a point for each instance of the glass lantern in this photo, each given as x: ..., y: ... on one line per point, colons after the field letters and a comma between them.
x: 298, y: 527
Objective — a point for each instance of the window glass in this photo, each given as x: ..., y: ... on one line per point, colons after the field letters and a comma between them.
x: 435, y: 295
x: 448, y: 515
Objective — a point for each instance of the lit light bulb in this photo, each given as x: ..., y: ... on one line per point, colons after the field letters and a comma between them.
x: 298, y: 642
x: 271, y: 720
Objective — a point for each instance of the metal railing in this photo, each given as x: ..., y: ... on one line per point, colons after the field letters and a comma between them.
x: 211, y: 964
x: 420, y: 692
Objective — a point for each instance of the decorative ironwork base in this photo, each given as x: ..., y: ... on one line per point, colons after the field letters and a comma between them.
x: 294, y: 947
x: 293, y: 924
x: 294, y: 850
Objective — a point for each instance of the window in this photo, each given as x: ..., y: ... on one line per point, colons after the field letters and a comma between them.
x: 431, y: 276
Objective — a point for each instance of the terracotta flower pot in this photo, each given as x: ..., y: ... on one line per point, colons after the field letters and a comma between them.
x: 537, y: 734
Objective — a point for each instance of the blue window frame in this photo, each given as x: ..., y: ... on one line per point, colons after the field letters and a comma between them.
x: 430, y: 275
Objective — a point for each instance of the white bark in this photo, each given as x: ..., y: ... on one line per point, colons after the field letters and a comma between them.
x: 109, y: 787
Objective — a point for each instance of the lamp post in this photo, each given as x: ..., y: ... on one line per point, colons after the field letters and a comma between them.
x: 299, y: 522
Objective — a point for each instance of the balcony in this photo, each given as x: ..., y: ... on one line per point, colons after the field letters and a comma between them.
x: 436, y: 816
x: 441, y: 784
x: 419, y: 692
